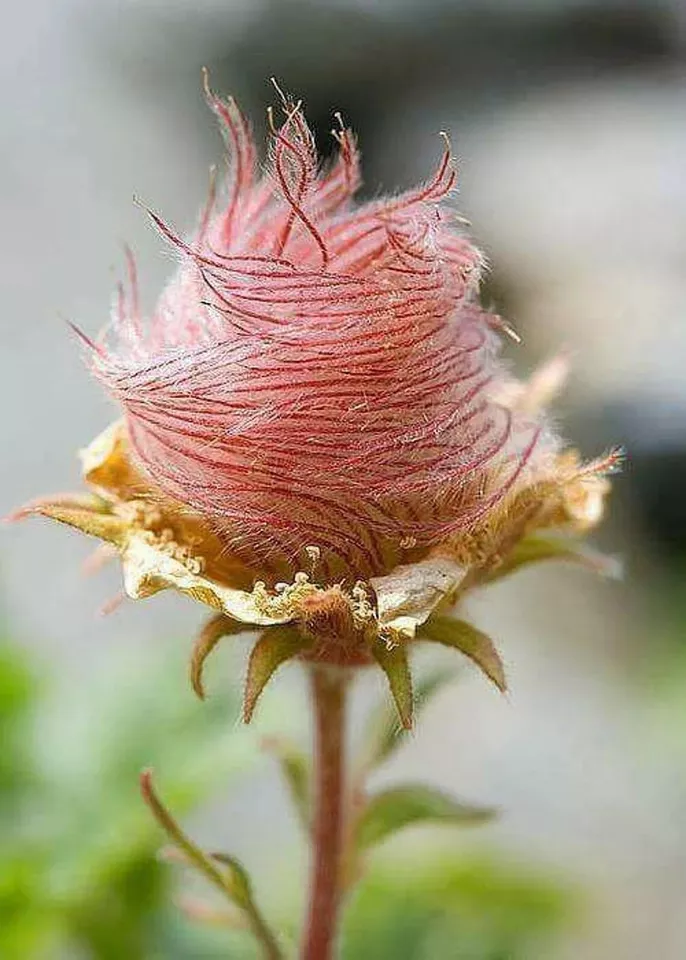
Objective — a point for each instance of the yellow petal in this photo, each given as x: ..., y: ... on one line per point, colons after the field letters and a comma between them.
x: 106, y: 464
x: 149, y: 568
x: 584, y: 501
x: 406, y: 597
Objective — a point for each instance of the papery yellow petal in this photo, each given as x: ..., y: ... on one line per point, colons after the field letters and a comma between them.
x: 584, y: 501
x: 149, y: 568
x: 406, y: 597
x: 106, y: 464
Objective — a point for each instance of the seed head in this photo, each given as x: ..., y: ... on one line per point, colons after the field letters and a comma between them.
x: 319, y: 372
x: 318, y: 439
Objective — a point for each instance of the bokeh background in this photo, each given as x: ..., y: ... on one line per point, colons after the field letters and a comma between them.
x: 569, y: 119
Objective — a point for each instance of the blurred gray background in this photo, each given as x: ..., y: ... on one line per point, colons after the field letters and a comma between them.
x: 570, y: 122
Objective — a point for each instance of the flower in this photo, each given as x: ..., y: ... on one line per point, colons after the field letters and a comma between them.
x: 319, y: 373
x: 318, y: 437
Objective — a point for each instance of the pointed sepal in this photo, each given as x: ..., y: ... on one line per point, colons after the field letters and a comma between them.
x: 536, y: 549
x: 87, y: 513
x: 463, y: 636
x: 208, y: 638
x: 398, y: 807
x: 276, y: 645
x: 394, y: 662
x: 382, y: 735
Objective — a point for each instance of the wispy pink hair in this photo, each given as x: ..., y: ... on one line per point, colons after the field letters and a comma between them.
x: 319, y: 373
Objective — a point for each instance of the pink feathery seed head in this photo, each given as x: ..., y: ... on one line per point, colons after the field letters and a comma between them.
x: 319, y: 373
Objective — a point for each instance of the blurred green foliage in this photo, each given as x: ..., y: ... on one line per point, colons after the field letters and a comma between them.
x: 79, y: 874
x: 436, y: 907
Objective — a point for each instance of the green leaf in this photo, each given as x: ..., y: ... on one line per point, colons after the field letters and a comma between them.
x: 221, y: 869
x: 83, y: 877
x: 242, y: 894
x: 232, y: 878
x: 275, y: 646
x: 535, y: 549
x: 208, y: 638
x: 474, y: 906
x: 237, y: 879
x: 189, y: 849
x: 474, y: 644
x: 295, y: 768
x: 394, y: 663
x: 398, y: 807
x: 383, y: 735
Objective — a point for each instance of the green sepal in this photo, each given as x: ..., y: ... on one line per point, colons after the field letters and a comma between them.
x: 276, y: 645
x: 474, y: 644
x: 382, y: 735
x: 398, y: 807
x: 208, y: 638
x: 394, y: 662
x: 535, y: 549
x: 86, y: 512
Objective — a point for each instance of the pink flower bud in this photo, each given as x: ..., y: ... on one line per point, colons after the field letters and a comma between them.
x: 319, y: 373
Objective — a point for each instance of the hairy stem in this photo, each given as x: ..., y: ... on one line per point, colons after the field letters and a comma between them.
x: 328, y: 687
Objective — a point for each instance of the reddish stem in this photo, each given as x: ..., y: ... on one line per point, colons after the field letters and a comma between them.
x: 328, y: 697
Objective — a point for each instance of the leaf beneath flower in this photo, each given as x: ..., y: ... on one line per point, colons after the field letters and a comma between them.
x: 224, y: 871
x: 86, y: 512
x: 398, y: 807
x: 383, y: 736
x: 474, y: 644
x: 275, y: 646
x: 238, y: 879
x: 535, y: 549
x: 208, y: 638
x: 394, y: 663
